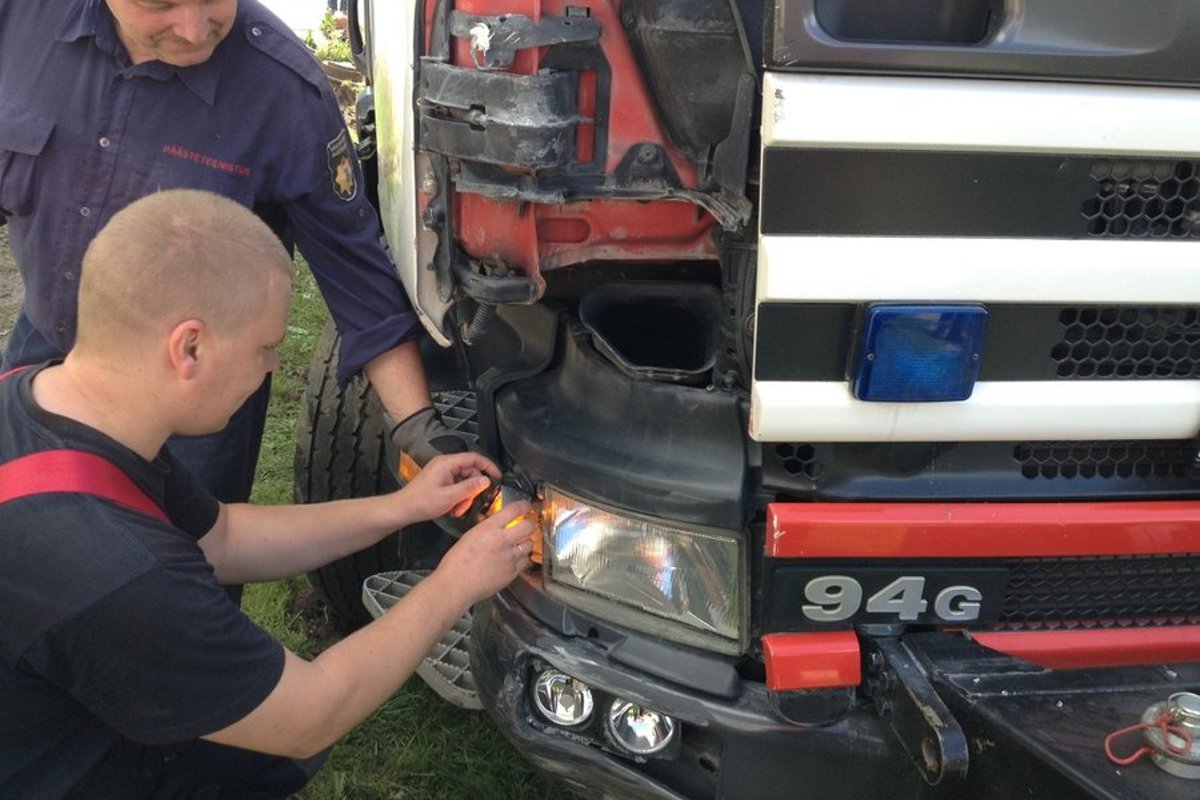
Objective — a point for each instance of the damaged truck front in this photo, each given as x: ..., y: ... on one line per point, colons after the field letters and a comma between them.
x: 850, y: 350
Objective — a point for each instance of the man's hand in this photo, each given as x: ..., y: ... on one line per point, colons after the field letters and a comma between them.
x: 423, y: 435
x: 489, y: 556
x: 448, y: 484
x: 315, y: 704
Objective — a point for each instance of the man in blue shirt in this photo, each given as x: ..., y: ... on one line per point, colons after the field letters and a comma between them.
x: 106, y: 101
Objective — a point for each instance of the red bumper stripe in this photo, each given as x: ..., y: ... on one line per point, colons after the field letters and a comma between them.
x: 1107, y: 648
x: 811, y: 660
x: 980, y: 530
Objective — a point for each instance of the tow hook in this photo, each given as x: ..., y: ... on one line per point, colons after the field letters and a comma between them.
x: 915, y: 713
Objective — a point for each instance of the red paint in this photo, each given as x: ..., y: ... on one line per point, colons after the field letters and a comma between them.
x: 981, y: 530
x: 1097, y: 648
x: 564, y: 231
x: 585, y: 132
x: 811, y: 660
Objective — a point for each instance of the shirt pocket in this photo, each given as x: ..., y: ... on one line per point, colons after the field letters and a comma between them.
x: 23, y: 136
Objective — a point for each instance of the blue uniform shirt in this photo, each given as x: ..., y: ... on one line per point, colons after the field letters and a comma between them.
x: 83, y: 133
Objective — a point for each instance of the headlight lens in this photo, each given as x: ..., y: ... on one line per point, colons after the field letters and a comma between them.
x: 625, y: 568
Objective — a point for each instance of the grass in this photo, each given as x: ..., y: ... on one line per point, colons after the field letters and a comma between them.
x: 417, y: 746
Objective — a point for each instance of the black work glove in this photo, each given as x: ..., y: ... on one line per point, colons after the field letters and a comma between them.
x: 423, y: 435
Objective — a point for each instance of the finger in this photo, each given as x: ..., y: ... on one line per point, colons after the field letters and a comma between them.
x: 464, y: 505
x: 473, y: 485
x: 476, y: 464
x: 521, y: 552
x: 486, y: 465
x: 510, y: 512
x: 518, y: 532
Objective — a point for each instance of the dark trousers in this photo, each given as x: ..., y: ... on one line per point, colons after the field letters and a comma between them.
x: 198, y: 770
x: 223, y: 462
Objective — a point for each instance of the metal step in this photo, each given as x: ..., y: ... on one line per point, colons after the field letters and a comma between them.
x: 447, y: 667
x: 459, y: 411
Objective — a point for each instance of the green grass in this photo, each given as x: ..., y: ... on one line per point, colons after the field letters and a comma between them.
x: 417, y: 746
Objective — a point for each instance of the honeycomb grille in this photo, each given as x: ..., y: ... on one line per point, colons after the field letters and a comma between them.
x: 1086, y: 460
x: 1144, y: 199
x: 1125, y: 342
x: 799, y: 460
x: 1102, y: 592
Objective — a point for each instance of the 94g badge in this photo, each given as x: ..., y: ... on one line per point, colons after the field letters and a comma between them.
x: 923, y: 595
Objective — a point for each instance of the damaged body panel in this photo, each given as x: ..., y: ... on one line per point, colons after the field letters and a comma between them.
x: 848, y: 351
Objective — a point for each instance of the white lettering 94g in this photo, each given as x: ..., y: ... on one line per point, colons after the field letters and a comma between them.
x: 834, y: 598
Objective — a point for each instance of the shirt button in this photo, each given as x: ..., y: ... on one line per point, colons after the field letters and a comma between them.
x: 85, y: 212
x: 256, y: 31
x: 104, y: 141
x: 69, y: 275
x: 61, y: 328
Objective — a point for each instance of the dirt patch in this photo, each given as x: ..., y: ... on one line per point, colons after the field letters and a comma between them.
x: 11, y: 290
x: 319, y: 625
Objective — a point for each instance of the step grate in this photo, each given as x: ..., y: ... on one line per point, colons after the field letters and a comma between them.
x: 447, y: 667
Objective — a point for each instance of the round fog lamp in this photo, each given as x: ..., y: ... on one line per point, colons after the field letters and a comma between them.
x: 562, y: 699
x: 638, y: 729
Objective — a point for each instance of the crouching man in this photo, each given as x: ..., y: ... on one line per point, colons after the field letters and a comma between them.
x: 125, y: 669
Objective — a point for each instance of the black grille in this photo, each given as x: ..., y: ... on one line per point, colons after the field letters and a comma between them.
x: 1144, y: 199
x: 1123, y: 342
x: 1124, y: 459
x: 798, y: 459
x: 1102, y: 592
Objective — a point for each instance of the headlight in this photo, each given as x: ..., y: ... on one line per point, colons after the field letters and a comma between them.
x: 682, y: 584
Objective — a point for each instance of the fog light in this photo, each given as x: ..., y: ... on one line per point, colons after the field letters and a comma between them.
x: 562, y: 699
x: 638, y: 729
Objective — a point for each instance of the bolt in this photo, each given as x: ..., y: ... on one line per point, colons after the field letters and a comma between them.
x: 628, y: 20
x: 647, y: 154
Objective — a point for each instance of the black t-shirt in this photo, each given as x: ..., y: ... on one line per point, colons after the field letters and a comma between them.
x: 114, y: 632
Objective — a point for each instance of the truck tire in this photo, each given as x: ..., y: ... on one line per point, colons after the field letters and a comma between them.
x: 340, y: 453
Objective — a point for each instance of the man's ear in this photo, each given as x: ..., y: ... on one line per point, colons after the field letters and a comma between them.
x: 186, y: 347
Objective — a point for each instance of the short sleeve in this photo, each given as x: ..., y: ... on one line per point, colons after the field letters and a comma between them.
x: 166, y: 657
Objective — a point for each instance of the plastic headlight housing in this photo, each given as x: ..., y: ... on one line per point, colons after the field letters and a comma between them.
x: 680, y: 583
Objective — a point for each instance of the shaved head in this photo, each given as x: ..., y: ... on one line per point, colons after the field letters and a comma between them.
x: 171, y: 256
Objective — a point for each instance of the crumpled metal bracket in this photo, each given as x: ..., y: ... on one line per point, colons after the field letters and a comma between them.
x: 498, y: 118
x: 495, y: 40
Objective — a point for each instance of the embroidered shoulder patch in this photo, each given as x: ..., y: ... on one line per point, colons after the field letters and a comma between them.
x: 341, y: 166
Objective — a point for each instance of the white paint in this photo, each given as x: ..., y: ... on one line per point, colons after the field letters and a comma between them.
x: 849, y: 269
x: 819, y: 411
x: 963, y: 114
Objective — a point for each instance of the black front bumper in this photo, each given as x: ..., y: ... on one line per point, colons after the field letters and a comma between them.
x: 1029, y: 732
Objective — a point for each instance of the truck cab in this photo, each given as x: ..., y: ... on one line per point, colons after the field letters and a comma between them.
x: 850, y: 350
